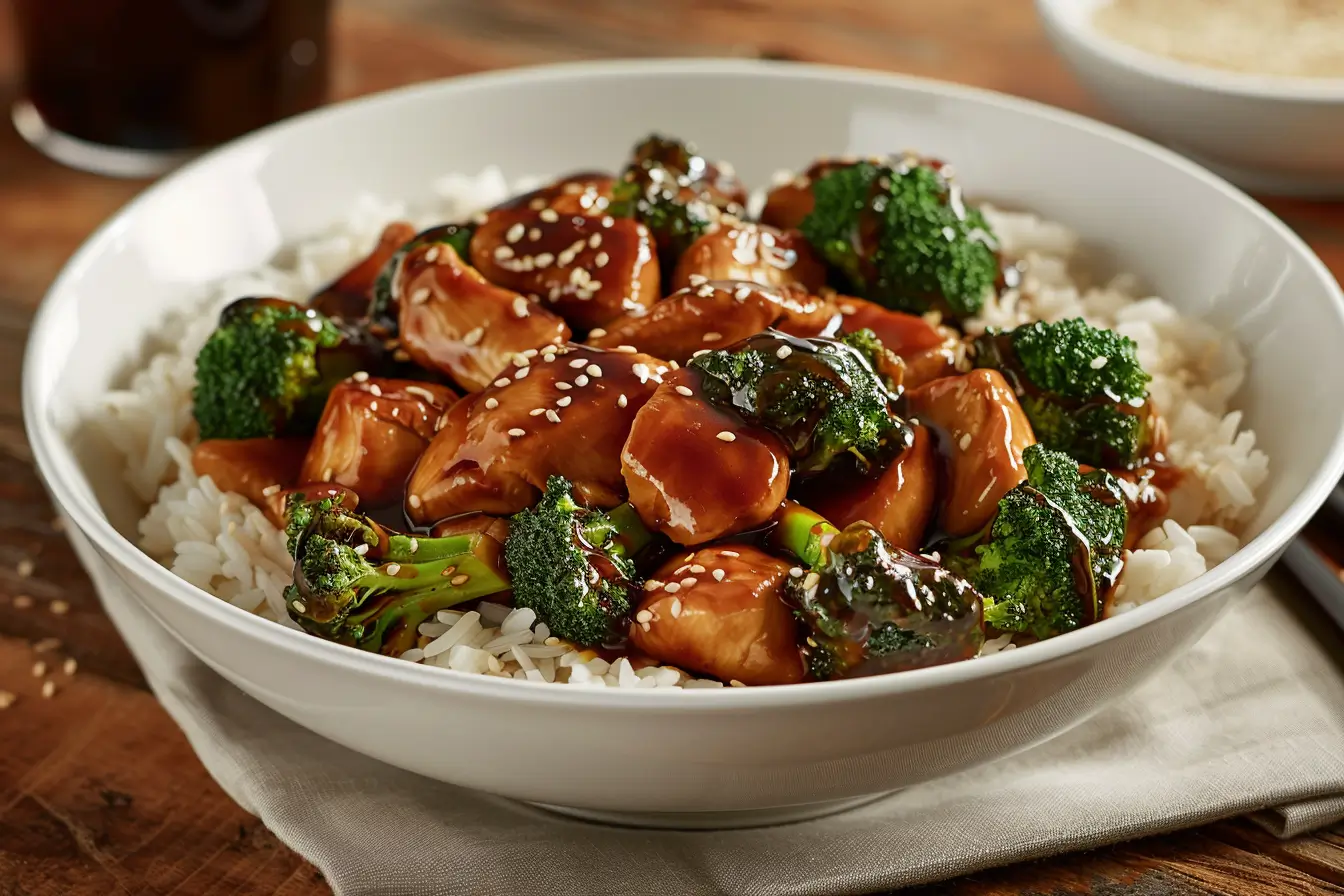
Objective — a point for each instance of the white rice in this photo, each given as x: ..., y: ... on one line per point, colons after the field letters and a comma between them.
x: 222, y: 544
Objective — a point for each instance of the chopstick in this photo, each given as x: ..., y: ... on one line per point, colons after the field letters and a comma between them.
x: 1311, y: 561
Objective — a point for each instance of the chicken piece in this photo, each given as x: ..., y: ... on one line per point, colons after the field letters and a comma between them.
x: 454, y: 321
x: 565, y: 412
x: 753, y: 253
x: 929, y: 350
x: 982, y: 431
x: 371, y: 433
x: 695, y: 472
x: 581, y: 193
x: 712, y: 315
x: 257, y: 469
x: 349, y: 298
x: 472, y: 524
x: 787, y: 204
x: 899, y: 502
x: 587, y: 269
x: 276, y: 505
x: 720, y: 612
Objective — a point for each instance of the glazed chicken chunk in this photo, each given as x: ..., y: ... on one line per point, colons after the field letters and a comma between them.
x: 562, y: 411
x: 581, y: 193
x: 718, y: 611
x: 349, y: 298
x: 371, y: 433
x: 898, y: 502
x: 697, y: 473
x: 983, y: 432
x: 754, y: 253
x: 712, y: 315
x: 588, y: 269
x: 257, y: 469
x: 928, y: 350
x: 454, y: 321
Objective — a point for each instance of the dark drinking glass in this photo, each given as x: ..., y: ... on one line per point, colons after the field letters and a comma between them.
x: 132, y: 87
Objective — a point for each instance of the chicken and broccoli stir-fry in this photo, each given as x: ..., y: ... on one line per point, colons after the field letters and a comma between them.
x: 762, y: 451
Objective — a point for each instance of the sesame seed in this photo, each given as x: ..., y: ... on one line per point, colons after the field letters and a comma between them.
x: 516, y: 432
x: 414, y: 544
x: 795, y: 572
x: 24, y: 569
x: 736, y: 684
x: 643, y: 616
x: 521, y: 360
x: 420, y: 296
x: 964, y: 442
x: 676, y: 607
x: 7, y: 699
x: 519, y: 306
x: 642, y: 371
x: 549, y: 215
x: 449, y: 571
x: 577, y: 363
x: 47, y: 644
x: 534, y: 234
x: 644, y: 625
x: 503, y: 253
x: 581, y: 380
x: 537, y: 204
x: 608, y: 220
x: 376, y: 390
x: 697, y: 568
x: 544, y: 260
x: 491, y: 403
x: 784, y: 352
x: 360, y: 376
x: 414, y: 501
x: 536, y: 412
x: 69, y: 666
x: 698, y: 279
x: 811, y: 581
x: 682, y: 568
x: 529, y: 353
x: 515, y: 233
x: 39, y: 669
x: 594, y: 241
x: 459, y: 579
x: 703, y: 351
x: 502, y: 382
x: 473, y: 336
x: 705, y: 291
x: 729, y: 554
x: 652, y: 585
x: 718, y: 575
x: 552, y: 416
x: 563, y: 401
x: 59, y: 607
x: 741, y: 293
x: 1098, y: 362
x: 393, y: 568
x: 593, y: 370
x: 48, y: 689
x: 362, y: 549
x: 671, y: 587
x: 726, y: 436
x: 270, y: 490
x: 682, y: 390
x: 620, y: 401
x: 600, y: 260
x: 22, y: 602
x: 689, y: 581
x: 596, y: 333
x: 628, y: 349
x: 674, y: 366
x: 299, y: 606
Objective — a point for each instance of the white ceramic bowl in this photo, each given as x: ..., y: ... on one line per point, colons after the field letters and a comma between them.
x: 1269, y: 134
x: 746, y: 754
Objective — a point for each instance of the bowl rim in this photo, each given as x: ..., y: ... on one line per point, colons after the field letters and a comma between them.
x: 1190, y: 75
x: 84, y: 511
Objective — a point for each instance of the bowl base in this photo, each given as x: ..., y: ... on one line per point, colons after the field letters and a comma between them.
x: 712, y: 821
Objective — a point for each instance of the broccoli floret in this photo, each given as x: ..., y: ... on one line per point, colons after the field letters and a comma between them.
x: 267, y: 368
x: 383, y: 310
x: 1052, y: 550
x: 1081, y: 387
x: 901, y: 235
x: 820, y: 396
x: 573, y: 565
x: 675, y: 192
x: 869, y: 608
x: 365, y: 586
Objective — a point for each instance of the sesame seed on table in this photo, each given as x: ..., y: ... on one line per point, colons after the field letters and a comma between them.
x: 103, y: 793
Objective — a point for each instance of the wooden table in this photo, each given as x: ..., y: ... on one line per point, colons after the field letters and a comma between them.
x: 99, y: 791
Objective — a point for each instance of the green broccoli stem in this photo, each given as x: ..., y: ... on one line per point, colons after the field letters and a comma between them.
x: 430, y: 566
x: 802, y: 532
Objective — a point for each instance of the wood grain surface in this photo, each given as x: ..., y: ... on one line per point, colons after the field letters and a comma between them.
x: 99, y: 791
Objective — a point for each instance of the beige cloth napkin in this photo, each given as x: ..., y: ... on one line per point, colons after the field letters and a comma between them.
x: 1250, y: 720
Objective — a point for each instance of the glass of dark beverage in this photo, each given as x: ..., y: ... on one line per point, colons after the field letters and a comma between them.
x: 134, y: 87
